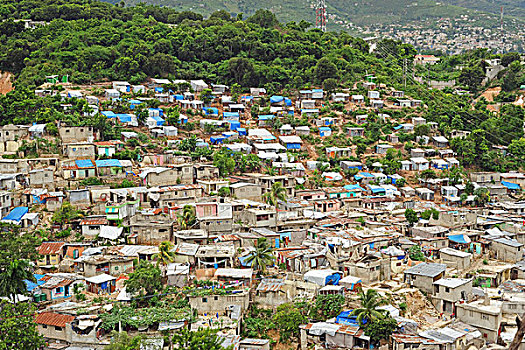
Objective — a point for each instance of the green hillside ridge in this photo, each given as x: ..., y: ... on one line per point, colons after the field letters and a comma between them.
x: 359, y: 12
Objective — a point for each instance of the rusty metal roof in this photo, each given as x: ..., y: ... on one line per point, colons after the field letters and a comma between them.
x: 47, y: 248
x: 270, y: 285
x: 94, y: 221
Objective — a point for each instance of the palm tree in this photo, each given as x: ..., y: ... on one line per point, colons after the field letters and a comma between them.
x: 186, y: 218
x: 12, y: 279
x: 262, y: 256
x: 368, y: 312
x: 274, y: 195
x: 165, y: 254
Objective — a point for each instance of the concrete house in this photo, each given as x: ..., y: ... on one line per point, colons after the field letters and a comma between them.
x: 507, y: 250
x: 71, y: 134
x: 356, y: 132
x: 162, y: 176
x: 271, y: 293
x: 246, y: 190
x: 215, y: 255
x: 449, y: 291
x: 455, y: 259
x: 52, y: 325
x: 485, y: 315
x: 424, y: 275
x: 42, y: 178
x: 81, y: 150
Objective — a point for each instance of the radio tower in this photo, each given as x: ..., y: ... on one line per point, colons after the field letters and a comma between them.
x: 320, y: 15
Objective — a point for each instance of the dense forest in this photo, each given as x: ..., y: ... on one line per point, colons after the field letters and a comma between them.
x: 94, y: 41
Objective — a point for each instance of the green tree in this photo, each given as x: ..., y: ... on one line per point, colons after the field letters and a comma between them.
x: 66, y: 214
x: 276, y: 193
x: 145, y: 278
x: 472, y: 76
x: 18, y: 327
x: 224, y: 161
x: 12, y: 279
x: 369, y: 312
x: 262, y: 256
x: 330, y: 84
x: 206, y: 96
x: 327, y: 306
x: 202, y: 339
x: 224, y: 192
x: 509, y: 57
x: 122, y: 341
x: 381, y: 329
x: 482, y: 196
x: 15, y: 245
x: 263, y: 18
x: 166, y: 254
x: 416, y: 254
x: 286, y: 319
x: 325, y: 69
x: 187, y: 218
x: 411, y: 216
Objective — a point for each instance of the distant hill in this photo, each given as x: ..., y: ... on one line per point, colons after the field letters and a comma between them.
x: 359, y: 12
x: 515, y: 8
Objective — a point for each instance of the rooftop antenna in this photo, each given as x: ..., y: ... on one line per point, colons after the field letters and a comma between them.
x: 320, y: 15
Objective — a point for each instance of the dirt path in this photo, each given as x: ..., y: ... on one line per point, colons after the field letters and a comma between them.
x: 6, y: 85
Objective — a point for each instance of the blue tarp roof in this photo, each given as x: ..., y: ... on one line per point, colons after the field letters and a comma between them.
x: 317, y: 90
x: 276, y: 99
x: 510, y: 185
x: 345, y: 318
x: 211, y: 110
x: 247, y: 98
x: 179, y: 97
x: 84, y: 163
x: 101, y: 163
x: 230, y: 114
x: 124, y: 118
x: 287, y: 101
x: 202, y: 144
x: 266, y: 117
x: 377, y: 190
x: 31, y: 285
x: 234, y: 125
x: 457, y: 239
x: 108, y: 114
x: 217, y: 139
x: 398, y: 127
x: 353, y: 187
x: 134, y: 102
x: 324, y: 128
x: 16, y: 214
x: 157, y: 119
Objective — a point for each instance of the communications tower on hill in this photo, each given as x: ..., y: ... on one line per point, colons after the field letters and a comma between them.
x: 320, y: 15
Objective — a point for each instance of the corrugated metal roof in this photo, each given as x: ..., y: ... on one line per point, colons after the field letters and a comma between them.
x: 50, y: 248
x: 94, y: 221
x: 427, y: 269
x: 270, y: 285
x: 53, y: 319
